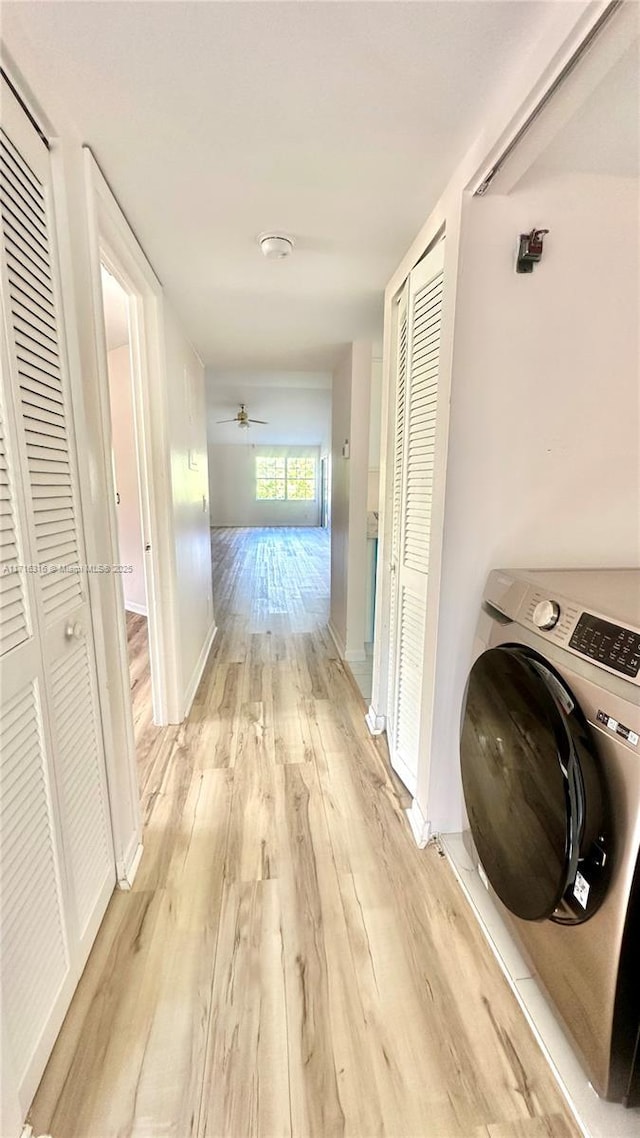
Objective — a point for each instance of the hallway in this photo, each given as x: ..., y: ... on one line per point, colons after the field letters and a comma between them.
x: 288, y: 962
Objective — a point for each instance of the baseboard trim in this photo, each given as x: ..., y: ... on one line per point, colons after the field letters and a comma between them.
x: 199, y: 669
x: 337, y: 640
x: 355, y: 655
x: 354, y: 682
x: 377, y: 724
x: 132, y: 606
x: 420, y: 828
x: 404, y: 773
x: 350, y: 655
x: 126, y: 869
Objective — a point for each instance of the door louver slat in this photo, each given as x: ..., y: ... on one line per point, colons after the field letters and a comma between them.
x: 12, y: 773
x: 398, y: 449
x: 414, y: 494
x: 26, y: 313
x: 79, y: 758
x: 26, y: 176
x: 428, y: 331
x: 18, y: 867
x: 24, y: 292
x: 29, y: 857
x: 427, y: 314
x: 14, y: 620
x: 411, y: 647
x: 24, y: 222
x: 22, y: 251
x: 39, y: 386
x: 29, y: 363
x: 11, y: 174
x: 36, y: 338
x: 29, y: 340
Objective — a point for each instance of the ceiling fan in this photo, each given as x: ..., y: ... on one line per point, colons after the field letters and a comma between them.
x: 242, y: 418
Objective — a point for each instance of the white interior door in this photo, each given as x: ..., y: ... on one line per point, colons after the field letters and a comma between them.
x: 418, y: 366
x: 57, y: 859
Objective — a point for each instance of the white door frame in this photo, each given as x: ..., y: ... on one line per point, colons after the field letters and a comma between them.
x: 136, y: 336
x: 325, y: 495
x: 114, y: 244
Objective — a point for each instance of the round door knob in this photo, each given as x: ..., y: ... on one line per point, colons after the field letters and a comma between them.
x: 546, y: 614
x: 74, y: 631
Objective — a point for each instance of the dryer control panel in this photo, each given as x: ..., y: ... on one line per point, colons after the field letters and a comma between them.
x: 609, y: 644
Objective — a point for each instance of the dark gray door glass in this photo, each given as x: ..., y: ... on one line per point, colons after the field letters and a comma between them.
x: 522, y: 781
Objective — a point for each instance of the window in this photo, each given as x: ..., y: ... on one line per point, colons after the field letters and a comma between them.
x: 301, y: 479
x: 270, y: 479
x: 282, y: 479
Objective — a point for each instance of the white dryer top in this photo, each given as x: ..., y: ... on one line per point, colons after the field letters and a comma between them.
x: 592, y: 613
x: 611, y: 592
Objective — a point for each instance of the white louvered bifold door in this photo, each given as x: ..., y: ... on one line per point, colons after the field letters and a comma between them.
x: 57, y: 857
x: 400, y: 371
x: 413, y: 488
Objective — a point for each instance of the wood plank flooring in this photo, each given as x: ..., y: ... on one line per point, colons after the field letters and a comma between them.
x: 288, y: 964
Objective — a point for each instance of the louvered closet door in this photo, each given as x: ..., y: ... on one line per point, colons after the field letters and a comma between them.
x: 57, y: 857
x: 417, y: 408
x: 400, y: 355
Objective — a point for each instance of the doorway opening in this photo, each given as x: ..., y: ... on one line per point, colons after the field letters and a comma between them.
x: 129, y: 498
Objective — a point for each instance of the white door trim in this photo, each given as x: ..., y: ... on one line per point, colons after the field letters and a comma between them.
x: 114, y: 243
x: 138, y: 355
x: 377, y: 714
x: 108, y: 231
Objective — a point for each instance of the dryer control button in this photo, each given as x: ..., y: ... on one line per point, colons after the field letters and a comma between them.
x: 546, y: 614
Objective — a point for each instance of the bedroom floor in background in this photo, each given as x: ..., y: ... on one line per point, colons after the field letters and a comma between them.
x: 288, y: 962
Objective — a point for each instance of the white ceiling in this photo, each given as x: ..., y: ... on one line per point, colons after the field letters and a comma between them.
x: 240, y: 381
x: 338, y: 122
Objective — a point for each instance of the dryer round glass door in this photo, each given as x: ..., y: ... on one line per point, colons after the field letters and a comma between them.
x: 533, y: 789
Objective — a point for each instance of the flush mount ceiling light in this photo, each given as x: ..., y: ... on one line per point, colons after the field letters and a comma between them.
x: 275, y: 246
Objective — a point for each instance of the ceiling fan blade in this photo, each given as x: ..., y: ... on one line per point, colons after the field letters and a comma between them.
x: 263, y: 422
x: 227, y: 421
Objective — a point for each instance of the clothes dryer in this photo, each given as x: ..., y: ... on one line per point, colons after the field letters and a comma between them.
x: 550, y: 760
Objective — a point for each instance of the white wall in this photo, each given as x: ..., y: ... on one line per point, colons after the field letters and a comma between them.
x: 123, y: 441
x: 341, y: 430
x: 296, y: 408
x: 299, y: 416
x: 544, y: 457
x: 350, y: 422
x: 190, y: 490
x: 232, y: 479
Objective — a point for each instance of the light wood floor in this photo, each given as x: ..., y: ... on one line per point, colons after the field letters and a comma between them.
x: 149, y: 739
x: 289, y: 963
